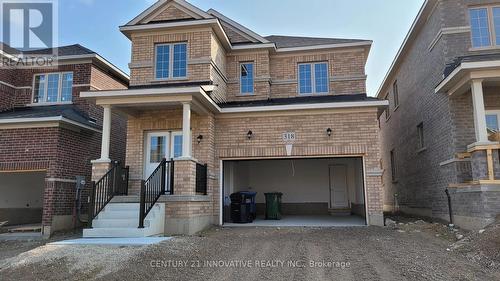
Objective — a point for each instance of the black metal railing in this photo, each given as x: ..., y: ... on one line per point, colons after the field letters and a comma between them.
x: 113, y: 183
x: 201, y: 178
x: 159, y: 183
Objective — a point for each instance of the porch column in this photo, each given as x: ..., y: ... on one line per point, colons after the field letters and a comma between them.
x: 479, y: 111
x: 106, y: 133
x: 186, y: 130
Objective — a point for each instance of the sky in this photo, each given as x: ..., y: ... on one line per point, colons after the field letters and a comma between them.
x: 94, y: 24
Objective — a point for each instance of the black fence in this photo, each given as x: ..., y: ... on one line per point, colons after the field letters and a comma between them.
x: 201, y: 178
x: 159, y: 183
x: 113, y: 183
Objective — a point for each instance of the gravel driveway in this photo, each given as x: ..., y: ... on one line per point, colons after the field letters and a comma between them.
x: 365, y: 253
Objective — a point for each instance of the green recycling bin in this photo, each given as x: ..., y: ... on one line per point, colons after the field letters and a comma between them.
x: 273, y: 205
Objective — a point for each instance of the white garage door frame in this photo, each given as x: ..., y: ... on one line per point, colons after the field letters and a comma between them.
x: 221, y: 176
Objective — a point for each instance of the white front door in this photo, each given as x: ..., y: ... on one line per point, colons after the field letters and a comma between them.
x: 159, y: 145
x: 338, y: 187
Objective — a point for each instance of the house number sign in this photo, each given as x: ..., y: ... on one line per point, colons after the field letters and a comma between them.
x: 289, y: 137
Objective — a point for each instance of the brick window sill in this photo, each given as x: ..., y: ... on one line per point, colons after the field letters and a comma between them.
x: 421, y: 150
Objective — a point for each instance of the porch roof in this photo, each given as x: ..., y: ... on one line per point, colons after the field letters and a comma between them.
x: 199, y: 96
x: 462, y: 70
x: 42, y: 114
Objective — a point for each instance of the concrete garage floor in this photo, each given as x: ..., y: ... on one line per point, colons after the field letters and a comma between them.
x: 304, y: 221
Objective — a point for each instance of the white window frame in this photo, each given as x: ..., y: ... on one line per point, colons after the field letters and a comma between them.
x: 59, y: 89
x: 170, y: 61
x: 313, y: 78
x: 253, y: 86
x: 491, y: 25
x: 493, y: 112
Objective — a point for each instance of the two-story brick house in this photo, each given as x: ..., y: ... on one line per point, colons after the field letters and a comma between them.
x: 48, y: 135
x: 441, y: 128
x: 276, y: 113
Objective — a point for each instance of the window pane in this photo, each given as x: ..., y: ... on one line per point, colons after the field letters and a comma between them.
x: 247, y: 78
x: 492, y: 122
x: 52, y: 87
x: 479, y: 27
x: 162, y: 61
x: 39, y: 92
x: 67, y: 87
x: 158, y: 149
x: 321, y: 77
x: 305, y: 79
x: 496, y: 23
x: 177, y: 146
x: 180, y: 60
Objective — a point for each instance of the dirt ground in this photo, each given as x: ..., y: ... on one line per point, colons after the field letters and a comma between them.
x: 404, y: 252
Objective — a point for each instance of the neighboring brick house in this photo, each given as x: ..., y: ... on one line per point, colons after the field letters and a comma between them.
x: 48, y: 135
x: 439, y: 130
x: 276, y: 113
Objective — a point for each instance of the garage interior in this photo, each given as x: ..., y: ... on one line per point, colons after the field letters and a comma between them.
x: 316, y: 192
x: 21, y: 198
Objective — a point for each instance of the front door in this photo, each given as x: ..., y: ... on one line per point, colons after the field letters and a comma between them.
x: 159, y: 145
x: 339, y: 198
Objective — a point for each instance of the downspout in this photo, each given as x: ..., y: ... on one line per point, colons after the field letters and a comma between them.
x: 449, y: 205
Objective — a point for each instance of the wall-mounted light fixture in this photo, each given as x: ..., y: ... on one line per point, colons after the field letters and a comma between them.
x: 199, y: 138
x: 329, y: 132
x: 249, y: 135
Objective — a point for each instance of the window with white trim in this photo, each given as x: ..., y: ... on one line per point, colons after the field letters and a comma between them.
x: 53, y: 87
x: 485, y: 26
x: 313, y: 78
x: 493, y: 120
x: 246, y: 78
x: 171, y: 61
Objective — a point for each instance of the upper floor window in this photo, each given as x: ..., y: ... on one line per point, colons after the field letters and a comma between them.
x: 313, y: 78
x: 171, y: 61
x: 395, y: 91
x: 53, y: 87
x: 485, y: 26
x: 246, y: 78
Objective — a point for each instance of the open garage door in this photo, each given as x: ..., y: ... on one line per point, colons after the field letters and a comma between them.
x: 21, y: 197
x: 316, y: 192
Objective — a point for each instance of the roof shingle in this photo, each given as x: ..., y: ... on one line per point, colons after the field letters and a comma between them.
x: 296, y: 41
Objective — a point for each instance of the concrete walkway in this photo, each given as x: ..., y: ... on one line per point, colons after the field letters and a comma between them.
x: 142, y: 241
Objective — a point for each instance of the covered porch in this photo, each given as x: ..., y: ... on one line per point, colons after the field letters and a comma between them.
x: 473, y: 88
x: 168, y: 158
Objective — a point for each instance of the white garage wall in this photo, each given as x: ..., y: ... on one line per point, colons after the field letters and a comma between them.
x: 18, y: 190
x: 300, y: 181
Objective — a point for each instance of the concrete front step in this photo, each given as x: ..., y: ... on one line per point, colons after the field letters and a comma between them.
x: 118, y: 223
x: 126, y: 199
x: 122, y: 220
x: 125, y: 232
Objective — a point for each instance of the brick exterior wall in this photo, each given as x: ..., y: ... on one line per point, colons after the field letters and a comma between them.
x: 62, y: 152
x: 275, y: 74
x: 448, y: 122
x: 355, y: 133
